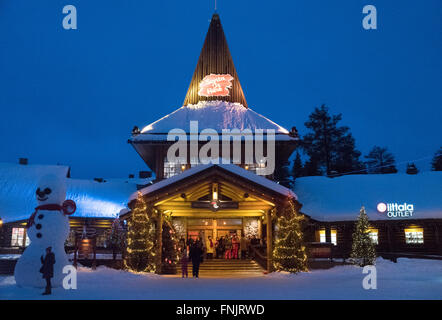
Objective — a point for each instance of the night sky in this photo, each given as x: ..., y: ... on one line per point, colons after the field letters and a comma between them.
x: 73, y: 96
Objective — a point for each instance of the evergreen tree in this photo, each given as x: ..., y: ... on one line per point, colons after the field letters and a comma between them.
x: 140, y: 238
x: 380, y: 161
x: 282, y: 174
x: 297, y: 168
x: 436, y: 163
x: 412, y: 169
x: 169, y: 256
x: 363, y: 250
x: 328, y: 145
x: 311, y: 167
x: 289, y: 253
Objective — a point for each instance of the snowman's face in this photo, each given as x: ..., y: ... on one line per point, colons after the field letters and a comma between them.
x: 51, y: 190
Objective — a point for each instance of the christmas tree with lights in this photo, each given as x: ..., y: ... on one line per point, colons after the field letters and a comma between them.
x: 363, y: 251
x: 140, y: 238
x: 289, y: 253
x: 170, y: 255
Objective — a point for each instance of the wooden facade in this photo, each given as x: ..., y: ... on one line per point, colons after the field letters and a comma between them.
x: 253, y: 201
x: 390, y: 236
x: 154, y: 154
x: 100, y: 227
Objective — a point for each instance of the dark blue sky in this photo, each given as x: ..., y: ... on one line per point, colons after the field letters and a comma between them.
x: 72, y: 97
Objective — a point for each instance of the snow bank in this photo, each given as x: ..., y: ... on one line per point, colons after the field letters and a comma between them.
x: 407, y: 279
x: 339, y: 199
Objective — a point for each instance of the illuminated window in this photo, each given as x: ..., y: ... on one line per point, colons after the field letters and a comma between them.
x: 373, y: 234
x: 334, y: 236
x: 18, y: 235
x: 229, y: 222
x: 254, y: 166
x: 199, y: 222
x: 172, y: 168
x: 414, y: 235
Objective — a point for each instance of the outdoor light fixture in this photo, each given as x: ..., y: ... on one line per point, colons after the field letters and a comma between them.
x: 1, y: 222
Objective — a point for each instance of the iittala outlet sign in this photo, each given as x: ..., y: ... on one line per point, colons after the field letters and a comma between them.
x: 396, y: 210
x: 215, y: 85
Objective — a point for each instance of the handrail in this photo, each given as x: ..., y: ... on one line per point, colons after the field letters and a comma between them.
x: 259, y: 257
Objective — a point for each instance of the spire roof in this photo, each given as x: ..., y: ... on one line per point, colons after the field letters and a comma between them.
x: 215, y: 76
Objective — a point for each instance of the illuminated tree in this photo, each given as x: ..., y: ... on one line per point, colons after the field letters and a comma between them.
x: 289, y: 253
x: 363, y: 250
x: 141, y: 238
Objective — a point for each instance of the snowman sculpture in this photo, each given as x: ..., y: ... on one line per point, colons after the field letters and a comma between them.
x: 47, y: 227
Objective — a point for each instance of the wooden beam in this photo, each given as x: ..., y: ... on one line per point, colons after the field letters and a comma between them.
x: 215, y: 215
x: 269, y: 242
x: 159, y: 241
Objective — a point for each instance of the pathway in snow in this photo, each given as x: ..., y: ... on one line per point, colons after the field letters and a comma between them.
x: 407, y: 279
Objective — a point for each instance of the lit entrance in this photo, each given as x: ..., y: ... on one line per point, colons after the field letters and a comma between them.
x: 209, y: 200
x: 214, y: 228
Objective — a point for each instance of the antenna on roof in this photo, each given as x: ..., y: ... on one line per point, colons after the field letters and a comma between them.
x: 215, y: 5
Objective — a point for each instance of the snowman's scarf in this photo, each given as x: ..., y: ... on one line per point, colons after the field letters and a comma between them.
x: 66, y: 208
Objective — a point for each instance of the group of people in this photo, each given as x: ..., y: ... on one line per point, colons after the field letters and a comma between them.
x: 227, y: 247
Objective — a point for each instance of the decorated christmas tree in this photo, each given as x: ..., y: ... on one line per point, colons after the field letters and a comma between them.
x: 140, y: 238
x: 363, y: 251
x: 289, y: 253
x: 170, y: 253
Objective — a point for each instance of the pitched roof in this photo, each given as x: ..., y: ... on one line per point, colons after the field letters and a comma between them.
x: 340, y: 199
x: 93, y: 199
x: 215, y: 58
x: 232, y: 168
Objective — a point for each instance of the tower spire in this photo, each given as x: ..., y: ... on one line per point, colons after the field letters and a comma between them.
x: 215, y: 76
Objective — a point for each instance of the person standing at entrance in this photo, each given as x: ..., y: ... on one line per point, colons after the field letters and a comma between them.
x: 210, y: 247
x: 195, y: 255
x: 47, y: 268
x: 235, y: 247
x: 228, y: 242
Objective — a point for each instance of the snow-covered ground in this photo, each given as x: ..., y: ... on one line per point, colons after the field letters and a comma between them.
x: 407, y: 279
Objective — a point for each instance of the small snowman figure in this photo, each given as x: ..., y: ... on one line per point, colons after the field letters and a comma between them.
x: 47, y: 227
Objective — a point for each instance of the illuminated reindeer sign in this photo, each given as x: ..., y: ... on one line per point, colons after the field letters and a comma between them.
x: 215, y: 85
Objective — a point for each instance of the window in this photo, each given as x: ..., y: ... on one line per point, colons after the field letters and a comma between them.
x: 229, y: 222
x: 172, y: 168
x: 254, y: 166
x: 200, y: 222
x: 17, y: 237
x: 414, y: 235
x: 373, y: 234
x: 334, y: 236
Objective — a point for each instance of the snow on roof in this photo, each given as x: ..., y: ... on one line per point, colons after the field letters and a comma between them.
x: 340, y: 199
x: 217, y: 115
x: 229, y: 167
x: 94, y: 199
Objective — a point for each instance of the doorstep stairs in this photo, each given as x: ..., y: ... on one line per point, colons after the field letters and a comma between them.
x: 224, y: 268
